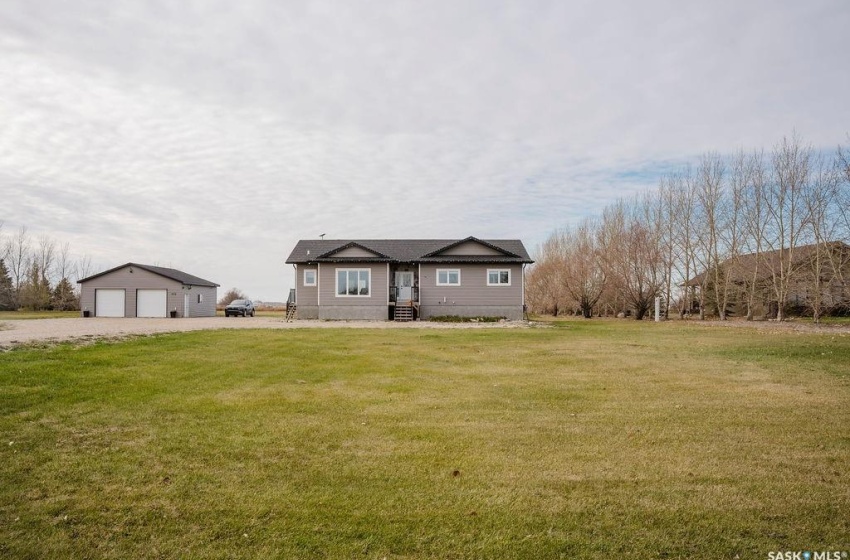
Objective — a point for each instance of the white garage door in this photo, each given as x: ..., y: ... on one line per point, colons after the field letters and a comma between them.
x: 151, y: 303
x: 109, y: 303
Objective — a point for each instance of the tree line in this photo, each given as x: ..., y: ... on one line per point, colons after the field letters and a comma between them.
x: 38, y: 273
x: 722, y: 236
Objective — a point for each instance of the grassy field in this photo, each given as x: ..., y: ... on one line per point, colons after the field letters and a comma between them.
x: 597, y: 439
x: 21, y: 315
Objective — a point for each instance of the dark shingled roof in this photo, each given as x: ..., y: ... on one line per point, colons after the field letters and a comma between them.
x: 407, y: 251
x: 743, y: 267
x: 173, y: 274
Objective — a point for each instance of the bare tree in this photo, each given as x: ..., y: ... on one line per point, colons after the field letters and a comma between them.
x: 584, y: 276
x: 632, y: 258
x: 546, y: 278
x: 755, y: 223
x: 732, y: 228
x: 544, y: 285
x: 45, y: 255
x: 710, y: 196
x: 667, y: 207
x: 786, y: 212
x: 682, y: 220
x: 654, y: 214
x: 230, y: 295
x: 63, y: 267
x: 18, y: 259
x: 843, y: 160
x: 737, y: 231
x: 83, y: 268
x: 827, y: 261
x: 703, y: 224
x: 842, y: 163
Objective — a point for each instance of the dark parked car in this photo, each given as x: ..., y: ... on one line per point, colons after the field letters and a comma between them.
x: 244, y: 307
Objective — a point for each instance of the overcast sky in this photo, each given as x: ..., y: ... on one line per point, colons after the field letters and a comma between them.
x: 211, y: 136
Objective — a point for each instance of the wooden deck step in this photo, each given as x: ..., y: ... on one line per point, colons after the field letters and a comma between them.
x: 403, y: 313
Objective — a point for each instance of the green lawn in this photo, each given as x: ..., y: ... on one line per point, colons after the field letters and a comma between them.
x: 597, y: 439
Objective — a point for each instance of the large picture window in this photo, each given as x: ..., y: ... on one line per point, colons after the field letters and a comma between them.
x: 448, y: 277
x: 353, y: 282
x: 498, y: 277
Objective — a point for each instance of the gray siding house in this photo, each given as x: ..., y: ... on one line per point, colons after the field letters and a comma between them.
x: 141, y: 290
x: 405, y: 279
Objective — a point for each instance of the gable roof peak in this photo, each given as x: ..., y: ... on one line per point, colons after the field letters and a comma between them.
x: 171, y: 273
x: 471, y: 239
x: 352, y: 245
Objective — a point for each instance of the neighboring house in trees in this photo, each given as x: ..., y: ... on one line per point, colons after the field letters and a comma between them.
x: 405, y: 279
x: 819, y: 278
x: 142, y: 290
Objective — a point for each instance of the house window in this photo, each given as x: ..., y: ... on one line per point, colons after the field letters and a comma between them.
x: 353, y: 282
x: 498, y: 277
x: 200, y: 298
x: 309, y: 277
x: 448, y: 277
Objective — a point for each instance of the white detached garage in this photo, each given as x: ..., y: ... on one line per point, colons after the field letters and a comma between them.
x: 141, y: 290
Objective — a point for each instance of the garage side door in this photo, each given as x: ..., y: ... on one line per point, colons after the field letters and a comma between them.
x: 151, y: 303
x: 108, y: 303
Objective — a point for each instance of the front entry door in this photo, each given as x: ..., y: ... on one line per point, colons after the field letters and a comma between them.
x: 404, y: 283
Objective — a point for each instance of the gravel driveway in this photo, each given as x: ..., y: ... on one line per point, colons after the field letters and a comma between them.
x: 13, y: 333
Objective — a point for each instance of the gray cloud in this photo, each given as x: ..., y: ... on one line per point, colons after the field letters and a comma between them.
x: 179, y: 133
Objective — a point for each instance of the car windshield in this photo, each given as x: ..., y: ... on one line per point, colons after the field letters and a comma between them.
x: 237, y: 302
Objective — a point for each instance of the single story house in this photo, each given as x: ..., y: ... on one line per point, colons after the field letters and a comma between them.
x: 829, y: 287
x: 141, y: 290
x: 405, y: 279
